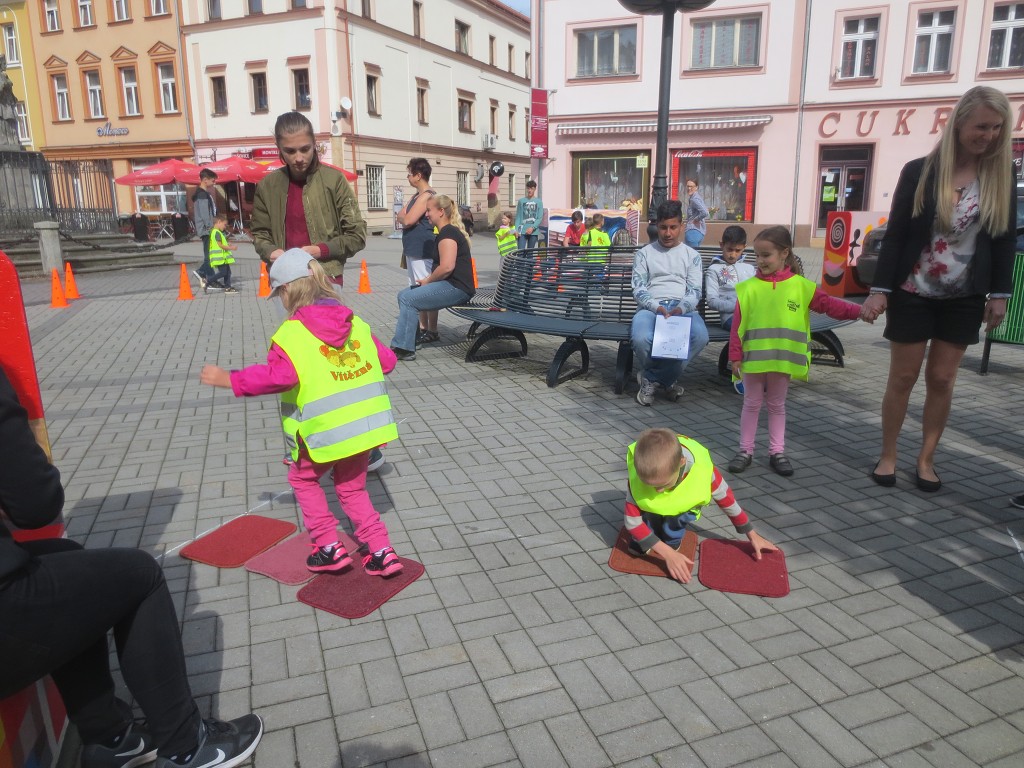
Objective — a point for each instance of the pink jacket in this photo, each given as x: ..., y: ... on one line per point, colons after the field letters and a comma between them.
x: 328, y: 320
x: 822, y: 303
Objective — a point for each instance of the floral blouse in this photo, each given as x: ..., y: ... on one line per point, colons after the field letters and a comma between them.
x: 943, y: 270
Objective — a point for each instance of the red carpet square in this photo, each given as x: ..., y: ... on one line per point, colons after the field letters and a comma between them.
x: 235, y: 542
x: 285, y: 562
x: 624, y: 561
x: 351, y: 593
x: 729, y: 566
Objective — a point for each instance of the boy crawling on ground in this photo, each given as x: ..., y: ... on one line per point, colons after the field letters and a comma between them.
x: 671, y: 479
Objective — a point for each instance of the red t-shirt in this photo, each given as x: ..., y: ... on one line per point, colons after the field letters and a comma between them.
x: 296, y: 234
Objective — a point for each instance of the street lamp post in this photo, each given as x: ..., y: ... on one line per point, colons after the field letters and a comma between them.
x: 667, y: 9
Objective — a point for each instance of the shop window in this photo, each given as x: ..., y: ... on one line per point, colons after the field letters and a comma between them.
x: 725, y: 177
x: 462, y: 187
x: 219, y: 92
x: 375, y: 195
x: 260, y: 98
x: 606, y: 52
x: 462, y: 37
x: 933, y: 41
x: 165, y: 198
x: 1006, y: 40
x: 11, y: 44
x: 859, y: 47
x: 122, y: 10
x: 726, y: 42
x: 129, y: 91
x: 303, y: 94
x: 605, y: 179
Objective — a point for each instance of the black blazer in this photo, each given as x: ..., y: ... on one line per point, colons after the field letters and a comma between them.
x: 907, y: 235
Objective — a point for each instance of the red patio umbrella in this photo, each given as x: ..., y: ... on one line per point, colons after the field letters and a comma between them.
x: 165, y: 172
x: 229, y: 169
x: 275, y: 164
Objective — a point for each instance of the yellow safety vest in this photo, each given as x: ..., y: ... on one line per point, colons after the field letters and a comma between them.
x: 693, y: 492
x: 598, y: 243
x: 218, y: 253
x: 340, y: 406
x: 775, y: 325
x: 507, y: 241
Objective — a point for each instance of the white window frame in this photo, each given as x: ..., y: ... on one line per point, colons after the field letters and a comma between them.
x: 52, y: 13
x: 94, y: 93
x: 130, y: 91
x: 376, y: 186
x: 617, y: 68
x: 168, y: 88
x: 21, y: 113
x: 462, y: 187
x: 716, y: 27
x: 86, y: 18
x: 121, y: 10
x: 62, y: 97
x: 933, y: 33
x: 1005, y: 29
x: 160, y: 198
x: 11, y: 44
x: 158, y: 8
x: 859, y: 41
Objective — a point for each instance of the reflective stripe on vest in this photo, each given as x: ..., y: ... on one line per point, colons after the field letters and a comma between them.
x: 507, y: 241
x: 775, y: 326
x: 340, y: 406
x: 218, y: 253
x: 693, y: 492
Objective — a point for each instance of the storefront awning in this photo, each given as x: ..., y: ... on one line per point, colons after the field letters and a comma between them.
x: 650, y: 126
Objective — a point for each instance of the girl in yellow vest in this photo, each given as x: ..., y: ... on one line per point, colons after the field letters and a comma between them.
x: 329, y: 370
x: 506, y: 235
x: 770, y: 341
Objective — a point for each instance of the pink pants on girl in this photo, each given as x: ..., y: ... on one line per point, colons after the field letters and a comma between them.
x: 758, y: 388
x: 350, y: 485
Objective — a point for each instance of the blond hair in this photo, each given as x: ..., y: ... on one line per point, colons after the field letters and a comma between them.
x: 307, y: 290
x: 657, y: 454
x: 995, y: 172
x: 448, y: 207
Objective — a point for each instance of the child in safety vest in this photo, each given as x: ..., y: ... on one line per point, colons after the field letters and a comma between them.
x: 506, y: 235
x: 671, y: 479
x: 329, y: 370
x: 769, y: 342
x: 220, y: 256
x: 594, y: 236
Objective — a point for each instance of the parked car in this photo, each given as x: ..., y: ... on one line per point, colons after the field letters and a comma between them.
x: 864, y: 270
x: 467, y: 218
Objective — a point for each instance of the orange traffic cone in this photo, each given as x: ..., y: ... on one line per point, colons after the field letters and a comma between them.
x: 69, y: 280
x: 472, y: 263
x: 184, y: 287
x: 264, y: 281
x: 364, y: 279
x: 57, y: 298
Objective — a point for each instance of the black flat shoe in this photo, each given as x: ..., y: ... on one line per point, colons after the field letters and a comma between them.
x: 886, y: 481
x: 927, y: 485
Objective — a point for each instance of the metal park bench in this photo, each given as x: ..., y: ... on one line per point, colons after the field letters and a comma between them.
x: 582, y: 295
x: 1011, y: 330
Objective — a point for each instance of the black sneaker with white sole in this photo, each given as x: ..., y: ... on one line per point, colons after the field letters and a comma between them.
x: 134, y: 748
x: 221, y: 744
x: 376, y: 460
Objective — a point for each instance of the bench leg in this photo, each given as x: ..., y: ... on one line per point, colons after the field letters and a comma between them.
x: 623, y: 366
x: 569, y: 346
x: 984, y: 356
x: 472, y: 330
x: 833, y: 346
x: 474, y: 355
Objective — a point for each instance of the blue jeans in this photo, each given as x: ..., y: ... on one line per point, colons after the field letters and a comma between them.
x: 663, y: 370
x: 693, y: 238
x: 669, y: 529
x: 527, y: 241
x: 205, y: 269
x: 423, y: 298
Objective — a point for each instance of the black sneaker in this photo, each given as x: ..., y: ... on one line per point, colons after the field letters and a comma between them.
x: 1018, y: 501
x: 384, y: 564
x: 326, y: 559
x: 229, y: 289
x: 376, y: 460
x: 404, y: 354
x: 135, y: 748
x: 221, y: 744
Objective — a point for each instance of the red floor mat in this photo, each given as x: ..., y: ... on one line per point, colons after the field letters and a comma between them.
x: 645, y: 565
x: 284, y: 562
x: 352, y: 594
x: 729, y: 566
x: 235, y: 542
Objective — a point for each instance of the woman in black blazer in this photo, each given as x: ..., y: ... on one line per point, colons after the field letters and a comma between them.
x: 946, y: 266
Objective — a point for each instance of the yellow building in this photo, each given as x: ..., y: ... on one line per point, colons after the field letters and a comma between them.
x: 111, y: 86
x: 16, y: 45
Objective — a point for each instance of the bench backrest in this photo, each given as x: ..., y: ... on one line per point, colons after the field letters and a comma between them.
x: 1011, y: 330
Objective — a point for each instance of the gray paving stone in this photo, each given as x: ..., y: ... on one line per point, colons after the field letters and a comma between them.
x: 642, y: 739
x: 989, y: 741
x: 734, y: 747
x: 480, y: 752
x: 578, y: 745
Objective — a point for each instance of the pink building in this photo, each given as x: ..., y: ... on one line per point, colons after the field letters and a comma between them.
x: 781, y: 111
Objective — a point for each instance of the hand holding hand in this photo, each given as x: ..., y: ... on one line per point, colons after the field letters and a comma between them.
x: 868, y: 315
x: 761, y: 544
x: 676, y: 310
x: 873, y: 306
x: 995, y: 311
x: 214, y: 376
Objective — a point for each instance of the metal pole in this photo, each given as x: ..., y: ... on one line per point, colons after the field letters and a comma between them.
x: 659, y: 190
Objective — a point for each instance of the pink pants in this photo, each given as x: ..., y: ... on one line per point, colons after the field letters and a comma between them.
x: 350, y: 485
x: 759, y: 388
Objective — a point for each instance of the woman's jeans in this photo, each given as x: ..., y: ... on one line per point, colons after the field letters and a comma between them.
x: 693, y: 238
x: 663, y: 370
x: 423, y: 298
x: 56, y: 615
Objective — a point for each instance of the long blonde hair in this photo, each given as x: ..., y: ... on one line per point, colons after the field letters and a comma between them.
x: 451, y: 210
x: 306, y: 290
x: 995, y: 172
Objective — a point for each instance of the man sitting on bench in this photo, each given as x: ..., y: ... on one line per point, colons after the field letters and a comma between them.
x: 667, y: 280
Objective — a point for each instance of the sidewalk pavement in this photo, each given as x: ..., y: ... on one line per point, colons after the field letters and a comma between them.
x: 900, y: 643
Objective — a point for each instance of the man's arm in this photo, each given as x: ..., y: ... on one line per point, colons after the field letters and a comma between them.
x: 641, y: 282
x: 30, y: 491
x: 204, y: 214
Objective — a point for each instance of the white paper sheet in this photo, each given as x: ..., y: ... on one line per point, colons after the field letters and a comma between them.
x: 671, y: 337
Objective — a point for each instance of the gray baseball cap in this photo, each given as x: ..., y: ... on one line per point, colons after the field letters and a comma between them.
x: 289, y: 266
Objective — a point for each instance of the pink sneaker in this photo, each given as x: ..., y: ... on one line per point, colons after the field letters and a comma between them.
x: 326, y: 560
x: 384, y: 564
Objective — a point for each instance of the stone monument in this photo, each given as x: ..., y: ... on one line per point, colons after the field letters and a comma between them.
x: 9, y: 141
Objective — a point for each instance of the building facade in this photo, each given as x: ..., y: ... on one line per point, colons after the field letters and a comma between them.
x: 780, y: 111
x: 380, y: 80
x: 18, y: 49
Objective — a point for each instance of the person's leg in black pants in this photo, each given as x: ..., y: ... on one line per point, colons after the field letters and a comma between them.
x: 206, y: 270
x: 55, y: 621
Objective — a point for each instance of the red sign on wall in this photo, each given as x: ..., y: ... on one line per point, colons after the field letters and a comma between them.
x: 264, y: 153
x: 538, y: 123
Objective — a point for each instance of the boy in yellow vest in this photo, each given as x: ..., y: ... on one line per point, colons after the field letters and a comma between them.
x: 220, y: 256
x: 595, y: 237
x: 671, y: 479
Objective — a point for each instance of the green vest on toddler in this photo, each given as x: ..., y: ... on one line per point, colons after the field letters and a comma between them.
x: 219, y: 255
x: 691, y: 494
x: 507, y: 241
